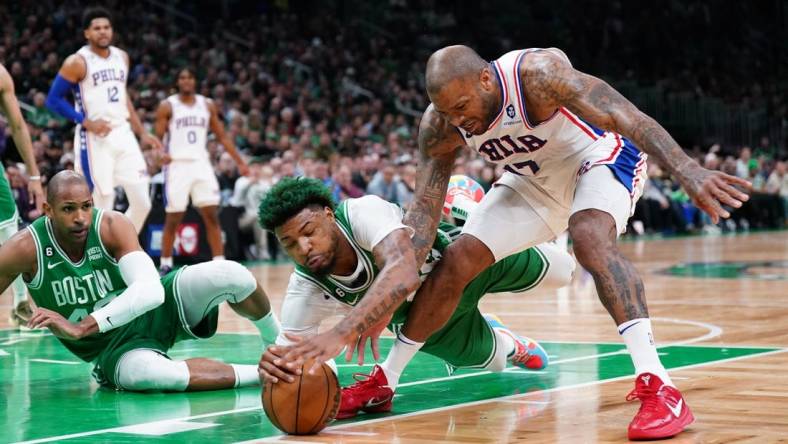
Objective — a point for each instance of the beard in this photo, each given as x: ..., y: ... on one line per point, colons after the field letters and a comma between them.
x: 490, y: 107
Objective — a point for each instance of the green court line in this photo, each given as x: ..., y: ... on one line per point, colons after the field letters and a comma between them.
x: 37, y: 391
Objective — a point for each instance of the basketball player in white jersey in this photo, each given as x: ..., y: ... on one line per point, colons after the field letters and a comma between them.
x: 107, y: 153
x: 571, y: 148
x: 9, y: 215
x: 186, y: 118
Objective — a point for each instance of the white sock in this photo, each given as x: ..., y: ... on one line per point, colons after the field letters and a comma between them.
x: 640, y: 343
x: 245, y: 375
x: 269, y: 328
x: 398, y: 358
x: 218, y: 258
x: 165, y: 262
x: 503, y: 351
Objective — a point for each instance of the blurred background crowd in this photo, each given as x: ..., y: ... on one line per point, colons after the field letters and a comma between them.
x: 334, y: 89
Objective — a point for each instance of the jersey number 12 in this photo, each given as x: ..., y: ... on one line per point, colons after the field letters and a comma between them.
x: 112, y: 93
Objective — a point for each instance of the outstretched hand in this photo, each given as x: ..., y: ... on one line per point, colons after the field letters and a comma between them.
x: 710, y: 190
x: 321, y: 348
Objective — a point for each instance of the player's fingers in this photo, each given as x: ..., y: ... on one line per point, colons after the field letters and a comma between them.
x: 725, y: 198
x: 735, y: 180
x: 265, y: 376
x: 373, y: 343
x: 362, y: 345
x: 713, y: 208
x: 277, y: 372
x: 743, y: 197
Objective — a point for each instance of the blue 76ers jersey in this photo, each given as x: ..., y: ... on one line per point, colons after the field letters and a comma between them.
x: 551, y: 154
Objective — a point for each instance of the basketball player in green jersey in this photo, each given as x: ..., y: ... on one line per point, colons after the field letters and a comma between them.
x: 9, y: 218
x: 343, y: 254
x: 101, y: 295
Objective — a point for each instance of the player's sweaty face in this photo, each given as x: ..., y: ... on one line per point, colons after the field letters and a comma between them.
x: 186, y: 82
x: 467, y: 104
x: 309, y: 238
x: 99, y: 33
x: 72, y: 213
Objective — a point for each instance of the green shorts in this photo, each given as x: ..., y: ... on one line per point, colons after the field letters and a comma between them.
x: 157, y: 330
x: 8, y: 212
x: 467, y: 341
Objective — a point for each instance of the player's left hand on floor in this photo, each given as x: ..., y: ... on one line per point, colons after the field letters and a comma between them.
x: 710, y: 190
x: 57, y: 324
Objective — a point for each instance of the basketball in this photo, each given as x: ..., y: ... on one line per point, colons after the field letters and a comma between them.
x: 306, y: 405
x: 462, y: 196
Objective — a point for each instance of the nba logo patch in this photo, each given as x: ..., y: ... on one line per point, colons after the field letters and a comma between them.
x: 510, y: 111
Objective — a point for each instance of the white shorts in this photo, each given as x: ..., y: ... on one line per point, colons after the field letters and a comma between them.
x: 189, y: 178
x: 107, y: 162
x: 515, y: 215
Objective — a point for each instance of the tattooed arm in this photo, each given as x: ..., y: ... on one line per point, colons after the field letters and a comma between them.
x: 398, y: 277
x: 551, y: 82
x: 438, y: 146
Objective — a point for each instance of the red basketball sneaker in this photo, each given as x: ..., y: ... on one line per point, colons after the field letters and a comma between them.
x: 371, y: 394
x: 663, y: 412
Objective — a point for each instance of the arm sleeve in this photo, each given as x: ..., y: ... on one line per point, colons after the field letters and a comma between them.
x: 56, y: 100
x: 372, y: 219
x: 305, y: 306
x: 144, y: 292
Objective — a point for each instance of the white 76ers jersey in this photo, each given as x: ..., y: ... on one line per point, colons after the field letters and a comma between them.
x: 102, y: 93
x: 551, y: 154
x: 187, y: 133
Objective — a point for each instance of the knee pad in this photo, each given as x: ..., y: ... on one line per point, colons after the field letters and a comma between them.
x: 561, y: 265
x: 143, y: 369
x: 234, y: 279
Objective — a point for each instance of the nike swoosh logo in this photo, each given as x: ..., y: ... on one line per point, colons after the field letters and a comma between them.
x: 53, y: 265
x: 374, y: 403
x: 677, y: 409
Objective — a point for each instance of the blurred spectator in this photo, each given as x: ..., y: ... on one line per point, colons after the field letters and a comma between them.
x: 226, y: 174
x: 384, y: 184
x: 248, y: 193
x: 18, y: 182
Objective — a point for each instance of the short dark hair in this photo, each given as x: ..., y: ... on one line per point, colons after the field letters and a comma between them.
x: 94, y: 13
x: 187, y: 68
x: 288, y: 197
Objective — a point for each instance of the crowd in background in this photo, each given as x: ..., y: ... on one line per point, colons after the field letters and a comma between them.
x: 302, y: 96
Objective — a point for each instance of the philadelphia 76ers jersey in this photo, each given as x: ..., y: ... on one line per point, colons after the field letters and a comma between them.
x: 187, y: 133
x: 551, y: 154
x: 102, y: 93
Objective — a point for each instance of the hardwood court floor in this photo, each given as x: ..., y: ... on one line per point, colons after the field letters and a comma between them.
x: 719, y: 307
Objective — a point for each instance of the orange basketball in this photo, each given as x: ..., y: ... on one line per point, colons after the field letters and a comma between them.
x: 306, y: 405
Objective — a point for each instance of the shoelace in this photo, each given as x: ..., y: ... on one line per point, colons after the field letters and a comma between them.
x: 522, y: 355
x: 362, y: 380
x: 646, y: 395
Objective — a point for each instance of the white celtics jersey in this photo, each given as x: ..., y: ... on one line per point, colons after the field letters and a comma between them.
x: 187, y: 133
x: 551, y: 154
x: 102, y: 93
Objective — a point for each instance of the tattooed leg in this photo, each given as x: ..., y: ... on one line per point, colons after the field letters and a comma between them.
x: 618, y: 284
x: 437, y: 298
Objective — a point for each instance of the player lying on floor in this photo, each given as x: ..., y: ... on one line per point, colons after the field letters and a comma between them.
x: 101, y: 295
x: 343, y: 253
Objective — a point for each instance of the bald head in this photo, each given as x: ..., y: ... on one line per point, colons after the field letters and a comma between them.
x: 450, y: 63
x: 62, y: 181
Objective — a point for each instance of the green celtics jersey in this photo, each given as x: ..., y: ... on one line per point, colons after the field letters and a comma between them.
x: 351, y: 293
x: 75, y: 289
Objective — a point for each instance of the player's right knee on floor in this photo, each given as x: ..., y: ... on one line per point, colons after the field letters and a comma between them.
x: 145, y: 370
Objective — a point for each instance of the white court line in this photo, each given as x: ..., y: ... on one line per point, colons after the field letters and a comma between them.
x: 54, y: 361
x: 225, y: 412
x: 557, y: 389
x: 393, y: 417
